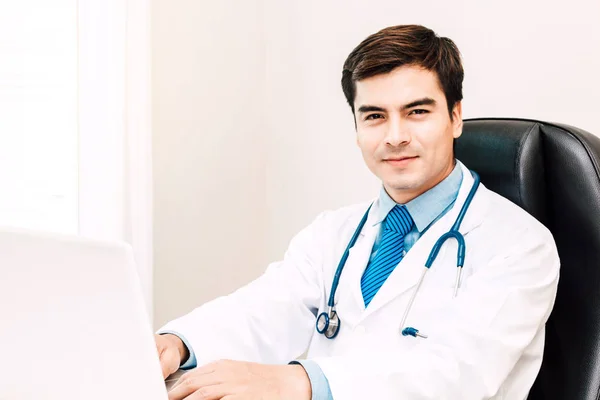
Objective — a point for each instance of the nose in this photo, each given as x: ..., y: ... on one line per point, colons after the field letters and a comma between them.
x: 397, y: 133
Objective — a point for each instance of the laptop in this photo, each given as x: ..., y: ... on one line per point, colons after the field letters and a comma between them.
x: 73, y: 324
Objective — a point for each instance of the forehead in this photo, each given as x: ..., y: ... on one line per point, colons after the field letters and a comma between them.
x: 398, y: 87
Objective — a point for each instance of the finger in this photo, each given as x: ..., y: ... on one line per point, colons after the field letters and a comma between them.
x: 165, y: 370
x: 202, y: 370
x: 169, y: 362
x: 184, y: 386
x: 194, y: 387
x: 200, y: 377
x: 210, y: 367
x: 215, y: 392
x: 162, y: 357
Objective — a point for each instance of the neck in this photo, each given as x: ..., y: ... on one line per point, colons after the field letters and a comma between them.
x: 404, y: 196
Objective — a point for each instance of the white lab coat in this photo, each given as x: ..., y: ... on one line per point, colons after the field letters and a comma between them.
x: 487, y: 343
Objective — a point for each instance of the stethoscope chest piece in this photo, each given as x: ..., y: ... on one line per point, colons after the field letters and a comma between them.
x: 328, y: 324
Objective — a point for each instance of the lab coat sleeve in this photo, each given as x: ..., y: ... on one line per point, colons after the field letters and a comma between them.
x: 477, y: 341
x: 269, y: 320
x: 318, y: 380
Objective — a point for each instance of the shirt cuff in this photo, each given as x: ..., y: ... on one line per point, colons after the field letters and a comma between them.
x: 191, y: 362
x: 318, y: 381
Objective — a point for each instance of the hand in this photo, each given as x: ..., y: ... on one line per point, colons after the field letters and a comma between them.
x: 237, y: 380
x: 171, y: 352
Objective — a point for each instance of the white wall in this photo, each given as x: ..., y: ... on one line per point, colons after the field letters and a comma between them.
x: 209, y: 148
x: 522, y: 59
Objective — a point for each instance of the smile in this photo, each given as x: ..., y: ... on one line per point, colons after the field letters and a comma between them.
x: 400, y: 162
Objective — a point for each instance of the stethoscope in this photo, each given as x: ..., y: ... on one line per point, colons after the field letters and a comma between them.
x: 328, y: 323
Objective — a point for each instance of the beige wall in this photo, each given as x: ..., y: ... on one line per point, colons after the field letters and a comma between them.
x: 209, y: 150
x: 274, y: 99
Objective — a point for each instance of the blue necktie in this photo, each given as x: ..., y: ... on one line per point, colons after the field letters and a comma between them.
x: 391, y: 250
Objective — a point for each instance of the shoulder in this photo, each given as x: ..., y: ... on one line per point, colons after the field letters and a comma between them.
x: 345, y: 216
x: 330, y: 226
x: 506, y: 222
x: 334, y: 223
x: 512, y: 246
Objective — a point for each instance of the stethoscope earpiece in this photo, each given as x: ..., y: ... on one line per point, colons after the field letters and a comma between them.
x: 408, y: 331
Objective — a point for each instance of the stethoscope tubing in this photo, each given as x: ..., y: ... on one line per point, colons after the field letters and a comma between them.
x: 342, y: 263
x: 454, y: 232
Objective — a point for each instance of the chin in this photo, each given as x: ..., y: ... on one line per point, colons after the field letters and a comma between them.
x: 402, y: 180
x: 403, y: 184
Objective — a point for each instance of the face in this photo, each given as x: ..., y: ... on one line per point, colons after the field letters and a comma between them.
x: 404, y: 130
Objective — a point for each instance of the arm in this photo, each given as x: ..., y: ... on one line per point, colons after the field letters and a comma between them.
x: 269, y: 320
x: 476, y: 343
x: 318, y: 381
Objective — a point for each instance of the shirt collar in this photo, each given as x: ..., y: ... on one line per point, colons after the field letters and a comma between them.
x: 425, y: 208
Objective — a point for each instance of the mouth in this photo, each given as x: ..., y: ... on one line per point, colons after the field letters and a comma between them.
x: 399, y: 161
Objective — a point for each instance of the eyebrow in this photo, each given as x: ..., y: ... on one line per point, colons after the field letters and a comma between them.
x: 425, y: 101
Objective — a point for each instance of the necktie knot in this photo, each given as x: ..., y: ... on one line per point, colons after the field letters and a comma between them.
x: 399, y: 220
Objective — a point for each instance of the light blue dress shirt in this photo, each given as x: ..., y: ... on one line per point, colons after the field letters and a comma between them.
x: 424, y: 210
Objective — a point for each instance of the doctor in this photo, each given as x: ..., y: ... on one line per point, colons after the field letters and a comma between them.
x: 402, y: 334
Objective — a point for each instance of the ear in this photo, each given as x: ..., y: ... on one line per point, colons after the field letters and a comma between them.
x: 457, y: 122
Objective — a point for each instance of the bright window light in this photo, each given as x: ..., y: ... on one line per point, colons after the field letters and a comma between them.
x: 38, y: 115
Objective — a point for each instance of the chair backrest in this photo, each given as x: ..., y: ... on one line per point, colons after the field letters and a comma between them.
x: 553, y: 172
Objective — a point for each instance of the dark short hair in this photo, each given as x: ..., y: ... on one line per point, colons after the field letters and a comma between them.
x: 401, y: 45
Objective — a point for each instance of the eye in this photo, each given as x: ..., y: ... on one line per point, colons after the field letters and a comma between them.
x: 419, y: 111
x: 373, y: 117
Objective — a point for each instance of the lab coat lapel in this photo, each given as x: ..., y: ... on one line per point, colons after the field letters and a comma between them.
x: 358, y: 259
x: 406, y: 275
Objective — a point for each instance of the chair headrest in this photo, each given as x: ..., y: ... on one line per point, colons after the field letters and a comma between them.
x: 508, y: 156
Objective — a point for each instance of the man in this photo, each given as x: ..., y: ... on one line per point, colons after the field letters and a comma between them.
x: 404, y: 86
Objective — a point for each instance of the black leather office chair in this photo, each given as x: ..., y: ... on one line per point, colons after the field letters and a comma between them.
x: 553, y: 172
